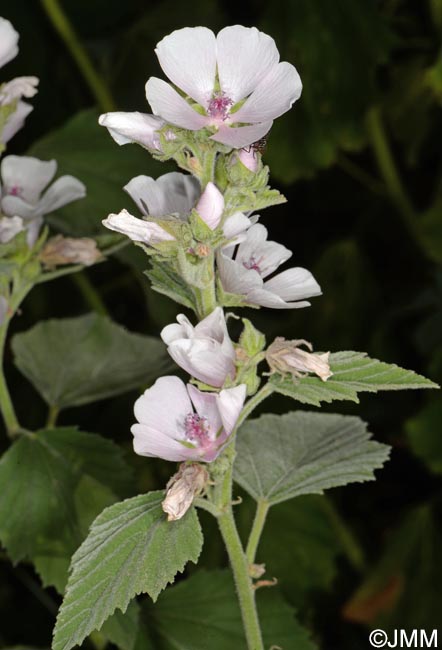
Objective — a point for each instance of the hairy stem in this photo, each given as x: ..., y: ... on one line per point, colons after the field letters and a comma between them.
x: 6, y: 405
x: 76, y: 49
x: 262, y: 509
x: 239, y: 565
x: 253, y: 402
x: 52, y: 416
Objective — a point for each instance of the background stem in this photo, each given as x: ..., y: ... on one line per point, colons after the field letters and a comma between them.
x: 6, y: 405
x: 262, y: 509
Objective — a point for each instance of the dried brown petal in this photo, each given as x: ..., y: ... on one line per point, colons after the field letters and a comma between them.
x: 189, y: 482
x: 61, y: 250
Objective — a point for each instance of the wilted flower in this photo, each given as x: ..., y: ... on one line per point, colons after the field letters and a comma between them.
x: 256, y: 258
x: 140, y: 128
x: 172, y: 195
x: 61, y: 250
x: 235, y: 78
x: 286, y: 357
x: 178, y: 422
x: 204, y: 351
x: 18, y: 88
x: 22, y: 191
x: 188, y: 483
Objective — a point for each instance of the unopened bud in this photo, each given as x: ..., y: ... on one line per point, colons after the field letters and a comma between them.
x: 69, y: 250
x: 249, y: 158
x: 202, y: 250
x: 189, y: 482
x: 286, y: 357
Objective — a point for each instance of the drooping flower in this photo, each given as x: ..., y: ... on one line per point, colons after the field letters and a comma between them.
x: 235, y: 78
x: 287, y: 357
x: 204, y: 351
x: 23, y: 181
x: 188, y: 483
x: 244, y: 272
x: 172, y: 195
x: 61, y: 250
x: 141, y: 128
x: 14, y: 90
x: 178, y: 422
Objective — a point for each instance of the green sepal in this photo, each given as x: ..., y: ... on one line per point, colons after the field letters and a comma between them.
x: 166, y: 281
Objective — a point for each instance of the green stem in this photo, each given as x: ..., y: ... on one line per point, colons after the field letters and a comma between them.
x: 52, y: 416
x: 6, y: 405
x: 253, y: 402
x: 239, y: 565
x: 67, y: 33
x: 90, y: 294
x: 208, y: 168
x: 348, y: 541
x: 262, y: 509
x: 387, y: 167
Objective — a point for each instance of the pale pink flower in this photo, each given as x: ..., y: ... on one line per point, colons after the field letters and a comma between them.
x: 138, y: 230
x: 141, y: 128
x: 15, y: 121
x: 244, y: 272
x: 249, y: 158
x: 10, y: 227
x: 178, y: 422
x: 253, y: 86
x: 18, y: 88
x: 8, y: 42
x: 23, y: 194
x: 204, y: 351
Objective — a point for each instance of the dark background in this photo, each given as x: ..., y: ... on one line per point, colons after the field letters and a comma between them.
x: 358, y: 159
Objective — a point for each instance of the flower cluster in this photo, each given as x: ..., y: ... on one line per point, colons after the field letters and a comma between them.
x: 206, y: 248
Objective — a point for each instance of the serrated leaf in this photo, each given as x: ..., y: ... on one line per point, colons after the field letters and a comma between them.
x: 51, y: 493
x: 122, y: 629
x: 202, y: 612
x: 131, y: 549
x: 75, y: 361
x: 280, y: 457
x: 353, y: 372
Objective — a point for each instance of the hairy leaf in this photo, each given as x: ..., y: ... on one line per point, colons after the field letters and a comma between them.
x: 131, y: 549
x: 353, y: 372
x: 76, y: 361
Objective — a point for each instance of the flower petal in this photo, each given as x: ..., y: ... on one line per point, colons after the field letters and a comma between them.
x: 136, y: 229
x: 66, y: 189
x: 230, y: 403
x: 164, y: 407
x: 265, y: 298
x: 206, y: 405
x: 274, y: 95
x: 241, y: 136
x: 133, y: 127
x: 294, y: 284
x: 244, y: 56
x: 235, y: 278
x: 188, y: 57
x: 8, y: 42
x: 153, y: 442
x: 9, y: 227
x: 15, y: 121
x: 168, y: 104
x: 26, y: 177
x: 268, y: 255
x: 172, y: 193
x: 236, y: 226
x: 211, y: 205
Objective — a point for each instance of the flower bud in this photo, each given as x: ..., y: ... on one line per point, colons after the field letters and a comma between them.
x: 68, y: 250
x: 189, y: 482
x: 249, y: 158
x: 286, y: 357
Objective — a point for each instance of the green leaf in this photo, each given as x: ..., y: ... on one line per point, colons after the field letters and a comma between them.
x: 424, y: 436
x: 306, y: 453
x: 76, y: 361
x: 202, y: 612
x: 104, y: 170
x: 122, y: 629
x: 51, y: 492
x: 131, y: 549
x: 353, y: 372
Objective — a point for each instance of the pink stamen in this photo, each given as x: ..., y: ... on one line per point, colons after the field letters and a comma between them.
x: 197, y: 428
x: 15, y: 190
x: 219, y: 106
x: 252, y: 264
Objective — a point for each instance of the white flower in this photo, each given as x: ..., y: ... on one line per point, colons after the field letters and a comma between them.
x: 178, y: 422
x: 18, y: 88
x: 133, y: 127
x: 15, y: 121
x: 8, y: 42
x: 256, y: 258
x: 172, y: 195
x: 10, y: 227
x: 204, y: 351
x: 234, y: 77
x: 23, y: 180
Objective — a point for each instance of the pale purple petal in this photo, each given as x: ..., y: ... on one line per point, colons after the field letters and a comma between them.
x: 133, y: 127
x: 241, y: 136
x: 8, y: 42
x: 230, y: 404
x: 15, y: 121
x: 267, y: 255
x: 172, y: 193
x: 202, y: 359
x: 154, y: 443
x: 294, y: 284
x: 213, y: 326
x: 235, y: 278
x: 244, y: 56
x: 15, y: 206
x: 66, y: 189
x: 164, y: 407
x: 26, y: 177
x: 188, y: 57
x: 274, y: 95
x: 168, y: 104
x: 236, y: 226
x: 18, y: 88
x: 272, y: 300
x: 249, y: 158
x: 136, y: 229
x: 206, y: 405
x: 210, y: 206
x: 10, y: 227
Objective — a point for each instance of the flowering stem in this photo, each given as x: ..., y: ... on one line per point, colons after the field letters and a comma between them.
x: 67, y: 33
x: 239, y: 564
x: 6, y: 405
x: 253, y: 402
x: 262, y: 509
x: 52, y: 416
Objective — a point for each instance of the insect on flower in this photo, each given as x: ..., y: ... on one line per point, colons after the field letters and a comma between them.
x: 257, y: 147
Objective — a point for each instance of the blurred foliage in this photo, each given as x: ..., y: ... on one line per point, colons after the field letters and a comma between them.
x: 366, y: 219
